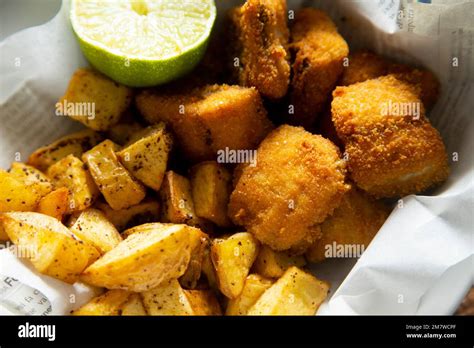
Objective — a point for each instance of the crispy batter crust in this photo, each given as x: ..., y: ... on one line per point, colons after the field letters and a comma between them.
x: 389, y: 155
x: 209, y: 118
x: 319, y: 51
x: 297, y: 182
x: 261, y: 35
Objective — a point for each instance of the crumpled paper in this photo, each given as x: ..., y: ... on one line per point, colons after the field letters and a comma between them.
x: 420, y: 262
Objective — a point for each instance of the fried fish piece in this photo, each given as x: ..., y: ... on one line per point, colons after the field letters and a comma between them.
x: 319, y: 51
x: 297, y: 182
x: 365, y: 65
x: 208, y: 119
x: 355, y: 222
x: 260, y: 38
x: 392, y: 148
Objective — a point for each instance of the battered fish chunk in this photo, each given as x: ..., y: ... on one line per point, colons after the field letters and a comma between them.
x: 319, y: 51
x: 261, y: 39
x: 355, y: 222
x: 392, y: 148
x: 298, y: 181
x: 365, y: 65
x: 209, y: 118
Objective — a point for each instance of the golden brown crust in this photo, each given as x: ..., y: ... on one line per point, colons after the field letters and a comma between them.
x: 209, y: 119
x: 391, y: 154
x: 262, y: 39
x: 297, y: 182
x: 354, y: 222
x: 319, y: 52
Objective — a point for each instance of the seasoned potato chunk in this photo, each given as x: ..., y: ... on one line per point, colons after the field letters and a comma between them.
x: 171, y: 299
x: 122, y: 133
x: 190, y: 278
x: 34, y: 178
x: 70, y: 172
x: 55, y: 203
x: 15, y: 195
x: 208, y: 119
x: 93, y: 227
x: 177, y: 200
x: 273, y: 264
x: 319, y: 52
x: 115, y: 183
x: 151, y: 254
x: 232, y: 259
x: 211, y: 187
x: 146, y: 155
x: 147, y: 210
x: 51, y: 247
x: 73, y: 144
x: 109, y: 303
x: 354, y: 223
x: 295, y: 293
x: 97, y: 101
x: 297, y: 183
x: 133, y: 306
x: 255, y: 285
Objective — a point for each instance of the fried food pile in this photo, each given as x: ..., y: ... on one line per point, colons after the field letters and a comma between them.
x: 210, y: 195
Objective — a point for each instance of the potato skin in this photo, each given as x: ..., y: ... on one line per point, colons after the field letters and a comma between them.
x: 297, y: 182
x: 261, y: 38
x: 108, y: 304
x: 151, y: 254
x: 51, y: 247
x: 115, y: 183
x: 232, y: 258
x: 73, y: 144
x: 356, y: 221
x: 70, y: 172
x: 295, y: 293
x: 209, y: 118
x: 110, y: 98
x: 319, y: 52
x: 146, y: 155
x: 388, y: 155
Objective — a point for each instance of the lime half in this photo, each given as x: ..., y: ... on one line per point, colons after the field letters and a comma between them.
x: 143, y: 42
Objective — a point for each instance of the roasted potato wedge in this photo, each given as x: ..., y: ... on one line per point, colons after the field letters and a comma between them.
x: 133, y: 306
x: 115, y: 183
x: 190, y: 278
x: 146, y: 155
x: 51, y: 247
x: 177, y: 201
x: 55, y: 203
x: 171, y: 299
x: 232, y: 259
x: 273, y: 264
x: 88, y: 87
x: 146, y: 211
x: 32, y: 177
x: 255, y: 285
x: 211, y: 187
x: 70, y: 172
x: 109, y: 303
x: 73, y: 144
x: 151, y: 254
x: 15, y: 195
x: 295, y: 293
x: 93, y: 227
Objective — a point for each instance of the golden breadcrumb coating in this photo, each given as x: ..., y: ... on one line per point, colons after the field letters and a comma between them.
x: 261, y: 38
x: 365, y: 65
x: 209, y: 118
x: 355, y: 222
x: 319, y: 51
x: 297, y: 182
x: 392, y: 150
